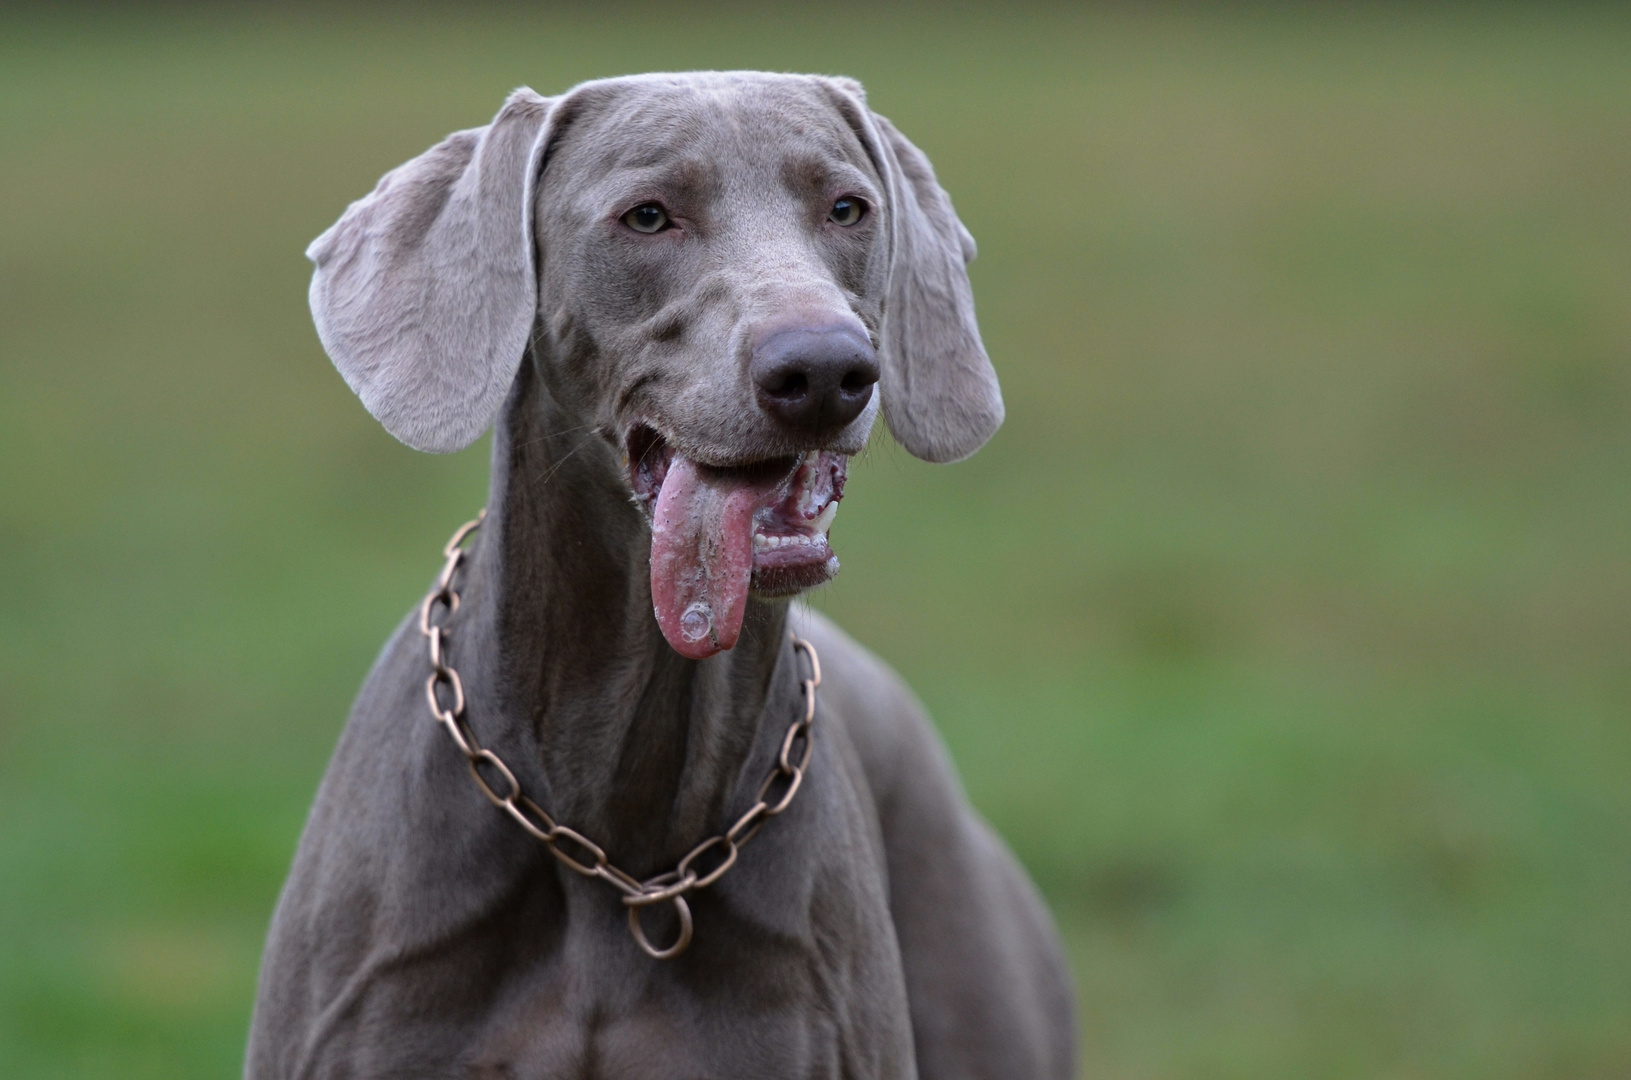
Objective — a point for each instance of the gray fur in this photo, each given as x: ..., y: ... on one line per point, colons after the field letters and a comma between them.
x: 878, y: 928
x: 424, y: 290
x: 940, y: 394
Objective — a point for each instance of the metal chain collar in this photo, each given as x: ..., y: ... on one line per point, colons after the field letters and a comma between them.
x: 585, y: 856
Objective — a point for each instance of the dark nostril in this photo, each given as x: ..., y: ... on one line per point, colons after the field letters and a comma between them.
x: 855, y: 381
x: 794, y: 384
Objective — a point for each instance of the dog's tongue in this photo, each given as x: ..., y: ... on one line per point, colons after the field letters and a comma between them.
x: 702, y: 554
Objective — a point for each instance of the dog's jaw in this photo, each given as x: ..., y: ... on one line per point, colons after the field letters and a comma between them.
x: 719, y: 533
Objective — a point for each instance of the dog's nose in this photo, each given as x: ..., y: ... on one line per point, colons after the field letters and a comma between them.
x: 814, y: 379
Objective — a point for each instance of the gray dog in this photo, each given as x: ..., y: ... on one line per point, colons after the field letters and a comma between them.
x: 672, y: 296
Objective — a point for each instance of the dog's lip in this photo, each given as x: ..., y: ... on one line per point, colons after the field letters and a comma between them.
x: 745, y: 448
x: 648, y: 446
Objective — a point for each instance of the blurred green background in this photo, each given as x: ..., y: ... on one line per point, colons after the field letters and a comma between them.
x: 1283, y: 630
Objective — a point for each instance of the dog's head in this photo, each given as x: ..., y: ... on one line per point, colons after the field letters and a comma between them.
x: 716, y: 267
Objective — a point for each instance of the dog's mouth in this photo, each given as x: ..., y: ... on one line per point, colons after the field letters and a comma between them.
x: 717, y: 533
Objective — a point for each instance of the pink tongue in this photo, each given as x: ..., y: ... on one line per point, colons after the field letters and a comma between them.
x: 702, y: 555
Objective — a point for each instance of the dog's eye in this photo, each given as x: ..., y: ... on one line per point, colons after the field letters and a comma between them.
x: 646, y: 218
x: 847, y: 211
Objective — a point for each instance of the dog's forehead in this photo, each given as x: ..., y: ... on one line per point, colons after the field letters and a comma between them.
x: 740, y: 118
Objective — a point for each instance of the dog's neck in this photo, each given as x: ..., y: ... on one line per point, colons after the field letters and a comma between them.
x: 637, y: 747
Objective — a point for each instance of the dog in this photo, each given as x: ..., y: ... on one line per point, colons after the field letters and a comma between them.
x: 680, y: 301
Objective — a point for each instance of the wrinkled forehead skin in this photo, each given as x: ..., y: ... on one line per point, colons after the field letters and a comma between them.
x: 657, y: 329
x: 754, y: 128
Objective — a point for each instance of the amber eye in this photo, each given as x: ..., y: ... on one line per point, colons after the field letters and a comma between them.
x: 646, y: 218
x: 847, y: 211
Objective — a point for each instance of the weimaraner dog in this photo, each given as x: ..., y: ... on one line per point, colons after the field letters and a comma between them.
x: 671, y: 296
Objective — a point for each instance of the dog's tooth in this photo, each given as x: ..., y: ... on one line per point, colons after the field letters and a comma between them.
x: 823, y: 520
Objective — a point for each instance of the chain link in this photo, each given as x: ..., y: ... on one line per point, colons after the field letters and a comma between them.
x: 698, y: 869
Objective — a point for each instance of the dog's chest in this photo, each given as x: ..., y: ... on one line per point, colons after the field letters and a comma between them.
x: 789, y: 1015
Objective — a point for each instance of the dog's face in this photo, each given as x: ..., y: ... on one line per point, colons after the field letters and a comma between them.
x: 714, y: 270
x: 714, y: 264
x: 712, y: 282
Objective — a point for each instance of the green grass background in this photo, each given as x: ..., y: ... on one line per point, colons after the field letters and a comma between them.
x: 1283, y: 630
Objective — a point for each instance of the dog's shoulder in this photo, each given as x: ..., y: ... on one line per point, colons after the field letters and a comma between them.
x: 990, y: 994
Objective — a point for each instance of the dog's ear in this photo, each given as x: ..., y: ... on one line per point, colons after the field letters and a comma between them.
x: 940, y: 394
x: 425, y: 290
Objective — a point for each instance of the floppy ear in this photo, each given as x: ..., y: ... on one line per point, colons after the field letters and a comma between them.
x: 940, y: 394
x: 425, y: 290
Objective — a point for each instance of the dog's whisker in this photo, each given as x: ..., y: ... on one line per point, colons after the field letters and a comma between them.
x: 550, y: 473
